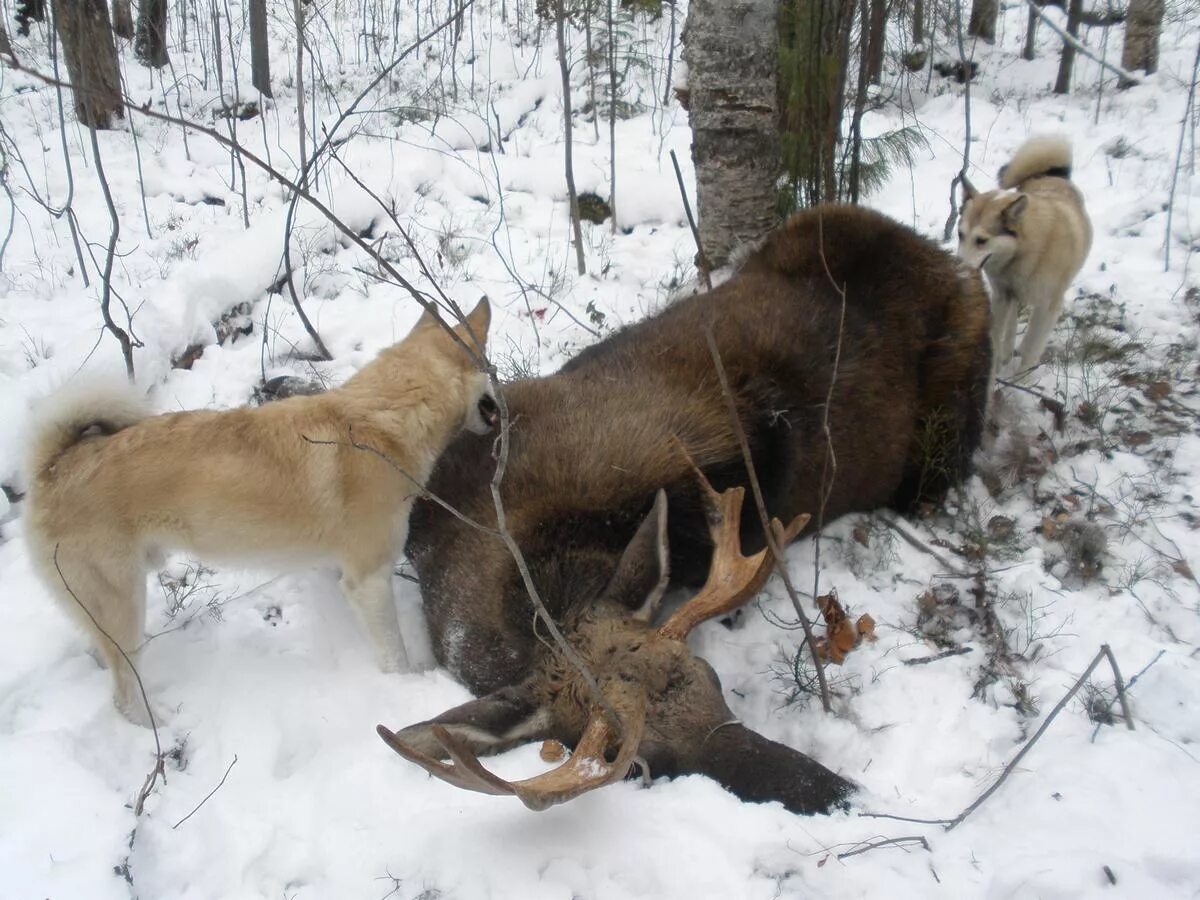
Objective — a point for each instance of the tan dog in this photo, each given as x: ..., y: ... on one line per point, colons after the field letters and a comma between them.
x: 1031, y: 239
x: 110, y: 488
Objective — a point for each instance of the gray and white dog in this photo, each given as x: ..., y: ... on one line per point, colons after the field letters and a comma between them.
x: 1030, y: 238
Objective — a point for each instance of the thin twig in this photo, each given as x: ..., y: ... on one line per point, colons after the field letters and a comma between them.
x: 1028, y: 745
x: 701, y: 259
x: 207, y: 796
x: 572, y: 655
x: 912, y: 840
x: 106, y: 275
x: 159, y: 768
x: 1145, y: 669
x: 776, y: 551
x: 1120, y: 685
x: 945, y: 654
x: 829, y: 467
x: 913, y: 541
x: 1052, y: 406
x: 423, y: 492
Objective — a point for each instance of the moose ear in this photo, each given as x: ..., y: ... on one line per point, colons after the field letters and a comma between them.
x: 642, y: 574
x: 1013, y: 212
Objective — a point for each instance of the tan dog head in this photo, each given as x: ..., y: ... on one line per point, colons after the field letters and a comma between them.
x: 989, y: 225
x: 482, y: 414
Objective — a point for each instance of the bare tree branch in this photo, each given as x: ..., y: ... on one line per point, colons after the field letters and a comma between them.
x: 1127, y: 78
x: 208, y: 795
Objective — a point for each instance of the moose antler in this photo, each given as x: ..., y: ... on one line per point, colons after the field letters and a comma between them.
x: 587, y: 769
x: 732, y: 578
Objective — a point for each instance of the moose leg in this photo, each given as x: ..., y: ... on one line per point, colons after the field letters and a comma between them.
x: 369, y: 591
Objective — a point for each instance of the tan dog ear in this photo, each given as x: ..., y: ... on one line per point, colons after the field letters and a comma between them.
x: 1012, y: 213
x: 477, y: 323
x: 427, y: 319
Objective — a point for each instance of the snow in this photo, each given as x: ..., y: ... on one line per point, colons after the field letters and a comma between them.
x: 272, y: 670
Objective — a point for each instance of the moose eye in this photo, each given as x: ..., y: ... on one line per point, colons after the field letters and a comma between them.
x: 980, y: 241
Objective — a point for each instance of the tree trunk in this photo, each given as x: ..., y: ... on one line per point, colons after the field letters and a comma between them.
x: 815, y: 50
x: 260, y: 50
x: 918, y: 23
x: 1030, y: 35
x: 573, y: 198
x: 150, y: 45
x: 731, y: 50
x: 91, y: 56
x: 122, y: 19
x: 29, y: 11
x: 1142, y: 31
x: 875, y: 45
x: 1074, y: 13
x: 983, y: 20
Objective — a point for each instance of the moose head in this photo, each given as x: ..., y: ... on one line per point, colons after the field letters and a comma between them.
x: 659, y: 706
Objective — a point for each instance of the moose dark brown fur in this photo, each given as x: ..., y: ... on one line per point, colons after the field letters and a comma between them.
x: 593, y: 445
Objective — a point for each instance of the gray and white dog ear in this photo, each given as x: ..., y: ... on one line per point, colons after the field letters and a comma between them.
x: 968, y: 190
x: 644, y: 570
x: 1013, y: 212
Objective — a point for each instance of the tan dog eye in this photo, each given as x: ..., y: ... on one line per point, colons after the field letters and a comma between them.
x: 980, y: 241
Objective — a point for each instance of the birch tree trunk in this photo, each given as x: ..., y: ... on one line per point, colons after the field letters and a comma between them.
x: 1143, y: 29
x: 150, y: 44
x: 91, y: 55
x: 260, y: 49
x: 731, y: 49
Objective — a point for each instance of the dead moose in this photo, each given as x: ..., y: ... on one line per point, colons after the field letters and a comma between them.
x: 602, y: 497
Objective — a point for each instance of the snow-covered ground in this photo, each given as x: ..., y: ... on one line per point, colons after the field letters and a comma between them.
x: 1082, y: 537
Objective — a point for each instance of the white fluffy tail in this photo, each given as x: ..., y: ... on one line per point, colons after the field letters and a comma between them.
x: 1045, y: 155
x: 61, y: 419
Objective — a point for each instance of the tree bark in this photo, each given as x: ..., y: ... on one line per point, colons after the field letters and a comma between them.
x: 918, y: 22
x: 815, y: 51
x: 983, y: 20
x: 1074, y: 13
x: 731, y: 49
x: 91, y: 55
x: 875, y: 43
x: 1143, y: 29
x: 260, y: 49
x: 150, y: 45
x: 1030, y: 35
x: 122, y: 19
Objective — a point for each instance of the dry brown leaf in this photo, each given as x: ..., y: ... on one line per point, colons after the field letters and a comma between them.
x: 841, y: 635
x: 865, y: 626
x: 553, y: 751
